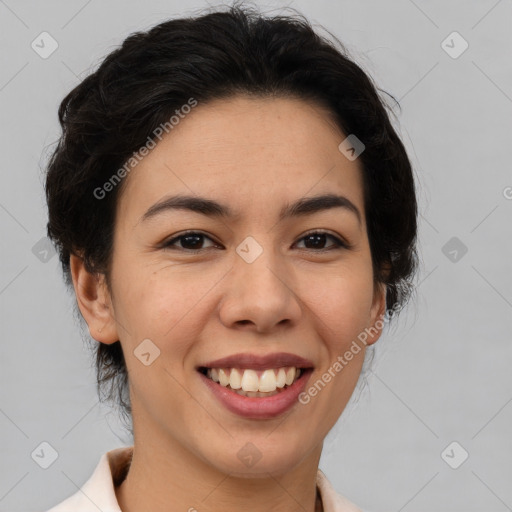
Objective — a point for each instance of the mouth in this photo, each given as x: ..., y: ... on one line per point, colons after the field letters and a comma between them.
x: 257, y: 387
x: 255, y: 383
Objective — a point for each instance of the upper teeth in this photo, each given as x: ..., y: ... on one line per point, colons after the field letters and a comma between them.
x: 253, y: 380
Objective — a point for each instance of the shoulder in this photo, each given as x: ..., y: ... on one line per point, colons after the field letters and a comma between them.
x: 331, y: 500
x: 98, y: 492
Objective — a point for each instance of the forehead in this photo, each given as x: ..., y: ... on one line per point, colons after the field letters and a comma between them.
x: 250, y: 153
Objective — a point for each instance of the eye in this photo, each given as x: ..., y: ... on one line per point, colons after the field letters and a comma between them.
x: 192, y: 241
x: 318, y: 238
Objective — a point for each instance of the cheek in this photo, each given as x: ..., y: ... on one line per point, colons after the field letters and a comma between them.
x: 162, y: 306
x: 161, y: 310
x: 342, y: 302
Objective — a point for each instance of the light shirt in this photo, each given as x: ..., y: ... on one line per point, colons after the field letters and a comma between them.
x: 98, y: 492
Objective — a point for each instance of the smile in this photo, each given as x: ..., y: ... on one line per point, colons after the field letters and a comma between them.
x: 257, y: 386
x: 254, y: 383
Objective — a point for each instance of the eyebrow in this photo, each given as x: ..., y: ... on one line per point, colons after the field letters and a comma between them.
x: 211, y: 208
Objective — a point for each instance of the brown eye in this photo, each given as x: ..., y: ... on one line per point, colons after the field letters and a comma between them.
x: 317, y: 239
x: 190, y: 241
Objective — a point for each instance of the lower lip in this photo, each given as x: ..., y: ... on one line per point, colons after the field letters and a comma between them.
x: 258, y: 408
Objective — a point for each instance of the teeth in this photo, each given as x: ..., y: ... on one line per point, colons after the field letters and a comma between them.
x: 290, y: 375
x: 223, y: 378
x: 250, y: 381
x: 235, y: 379
x: 268, y: 380
x: 281, y: 378
x: 254, y: 383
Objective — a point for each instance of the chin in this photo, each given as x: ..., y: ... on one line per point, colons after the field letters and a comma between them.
x: 257, y: 456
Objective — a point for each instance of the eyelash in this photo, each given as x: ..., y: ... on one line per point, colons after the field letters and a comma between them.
x: 339, y: 243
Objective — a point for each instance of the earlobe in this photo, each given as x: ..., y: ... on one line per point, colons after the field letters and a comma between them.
x: 94, y: 301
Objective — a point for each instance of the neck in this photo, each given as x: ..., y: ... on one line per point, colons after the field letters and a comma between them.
x: 166, y: 477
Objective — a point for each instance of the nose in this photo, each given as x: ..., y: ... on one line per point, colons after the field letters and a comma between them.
x: 262, y: 295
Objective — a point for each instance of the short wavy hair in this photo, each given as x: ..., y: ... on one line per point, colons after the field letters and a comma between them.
x: 225, y: 52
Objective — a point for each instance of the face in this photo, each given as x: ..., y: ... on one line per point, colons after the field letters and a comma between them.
x: 291, y: 291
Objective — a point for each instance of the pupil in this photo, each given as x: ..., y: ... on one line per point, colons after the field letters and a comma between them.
x: 197, y: 239
x: 317, y: 238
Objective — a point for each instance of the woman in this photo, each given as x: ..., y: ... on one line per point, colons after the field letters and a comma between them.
x: 237, y: 218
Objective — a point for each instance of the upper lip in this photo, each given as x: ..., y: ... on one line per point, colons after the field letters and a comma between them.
x: 259, y: 362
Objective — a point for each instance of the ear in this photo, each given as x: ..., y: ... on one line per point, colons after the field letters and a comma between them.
x: 94, y: 301
x: 377, y: 313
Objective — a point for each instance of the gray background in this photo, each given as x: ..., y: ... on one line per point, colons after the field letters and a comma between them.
x: 442, y: 374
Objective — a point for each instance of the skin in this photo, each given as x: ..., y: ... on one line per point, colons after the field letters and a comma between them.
x: 254, y: 155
